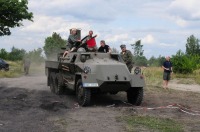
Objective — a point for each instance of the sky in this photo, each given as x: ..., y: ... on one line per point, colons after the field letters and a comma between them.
x: 163, y: 26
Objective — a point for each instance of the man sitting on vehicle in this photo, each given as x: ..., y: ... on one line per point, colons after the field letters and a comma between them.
x: 73, y: 41
x: 104, y: 48
x: 90, y: 42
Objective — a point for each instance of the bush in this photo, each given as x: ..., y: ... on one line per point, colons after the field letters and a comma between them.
x: 185, y: 63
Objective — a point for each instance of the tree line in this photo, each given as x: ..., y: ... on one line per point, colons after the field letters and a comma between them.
x: 17, y: 54
x: 183, y: 62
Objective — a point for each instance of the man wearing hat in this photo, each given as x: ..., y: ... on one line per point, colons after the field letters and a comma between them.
x: 127, y: 56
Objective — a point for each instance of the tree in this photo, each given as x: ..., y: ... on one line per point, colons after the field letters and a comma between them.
x: 16, y: 54
x: 53, y: 44
x: 114, y: 50
x: 12, y: 13
x: 183, y: 63
x: 138, y: 58
x: 35, y: 56
x: 137, y: 48
x: 3, y: 54
x: 192, y: 46
x: 140, y: 61
x: 153, y: 61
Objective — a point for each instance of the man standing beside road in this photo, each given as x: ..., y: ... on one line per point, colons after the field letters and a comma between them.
x: 167, y: 67
x: 127, y: 57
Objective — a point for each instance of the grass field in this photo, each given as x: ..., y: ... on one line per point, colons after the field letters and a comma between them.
x: 16, y: 69
x: 155, y: 95
x: 154, y: 75
x: 145, y: 122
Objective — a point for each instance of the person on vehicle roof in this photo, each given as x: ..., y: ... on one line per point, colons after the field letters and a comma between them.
x: 127, y: 57
x: 73, y: 41
x: 104, y: 48
x: 89, y: 37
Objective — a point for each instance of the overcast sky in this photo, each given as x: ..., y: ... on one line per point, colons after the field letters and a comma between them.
x: 163, y: 26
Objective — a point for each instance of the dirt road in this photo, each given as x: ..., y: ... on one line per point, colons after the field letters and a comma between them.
x: 26, y: 104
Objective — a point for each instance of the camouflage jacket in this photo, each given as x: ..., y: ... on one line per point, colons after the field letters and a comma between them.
x: 127, y: 57
x: 72, y: 40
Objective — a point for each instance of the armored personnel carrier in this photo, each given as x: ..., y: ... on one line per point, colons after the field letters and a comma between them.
x: 89, y: 73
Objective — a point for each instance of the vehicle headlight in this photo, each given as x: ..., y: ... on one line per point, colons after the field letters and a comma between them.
x: 87, y: 69
x: 137, y: 70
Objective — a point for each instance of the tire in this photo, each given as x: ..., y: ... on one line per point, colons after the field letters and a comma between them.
x: 83, y: 94
x: 135, y: 96
x: 51, y: 80
x: 59, y: 86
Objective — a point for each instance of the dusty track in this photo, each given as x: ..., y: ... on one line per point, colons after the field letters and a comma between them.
x: 26, y: 104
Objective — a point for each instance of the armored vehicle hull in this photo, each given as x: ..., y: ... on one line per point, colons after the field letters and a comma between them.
x: 89, y: 72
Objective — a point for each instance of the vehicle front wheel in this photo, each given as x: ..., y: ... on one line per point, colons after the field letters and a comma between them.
x: 135, y: 96
x: 83, y: 94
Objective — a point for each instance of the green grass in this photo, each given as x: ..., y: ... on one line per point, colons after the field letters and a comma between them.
x: 149, y: 123
x: 15, y: 70
x: 154, y: 76
x: 197, y: 76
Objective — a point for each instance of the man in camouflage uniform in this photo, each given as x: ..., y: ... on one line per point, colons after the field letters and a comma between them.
x: 127, y: 57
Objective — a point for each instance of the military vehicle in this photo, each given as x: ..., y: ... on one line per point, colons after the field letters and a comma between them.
x: 89, y: 73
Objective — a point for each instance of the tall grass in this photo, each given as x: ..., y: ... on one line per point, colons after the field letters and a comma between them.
x: 15, y: 69
x: 153, y: 75
x: 197, y: 76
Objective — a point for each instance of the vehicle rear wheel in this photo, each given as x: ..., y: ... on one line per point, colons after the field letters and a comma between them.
x: 59, y: 86
x: 83, y: 94
x: 135, y: 96
x: 51, y: 80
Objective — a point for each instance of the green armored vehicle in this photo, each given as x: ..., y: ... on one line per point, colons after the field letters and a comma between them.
x: 89, y: 73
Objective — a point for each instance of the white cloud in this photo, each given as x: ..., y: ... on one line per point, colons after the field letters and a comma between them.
x: 157, y: 23
x: 149, y: 39
x: 181, y: 22
x: 117, y: 38
x: 186, y: 9
x: 167, y: 45
x: 52, y: 24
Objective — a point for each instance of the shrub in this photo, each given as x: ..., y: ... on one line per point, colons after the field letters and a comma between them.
x: 185, y: 63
